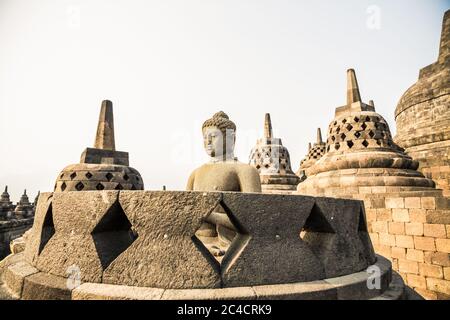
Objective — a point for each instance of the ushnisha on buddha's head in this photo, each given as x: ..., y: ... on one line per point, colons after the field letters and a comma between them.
x: 219, y: 136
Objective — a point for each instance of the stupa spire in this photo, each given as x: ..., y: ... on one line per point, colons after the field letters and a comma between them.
x: 319, y: 136
x: 267, y: 127
x: 352, y: 87
x: 444, y: 49
x: 371, y: 103
x: 105, y: 130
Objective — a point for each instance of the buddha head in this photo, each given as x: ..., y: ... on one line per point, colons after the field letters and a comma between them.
x: 219, y: 136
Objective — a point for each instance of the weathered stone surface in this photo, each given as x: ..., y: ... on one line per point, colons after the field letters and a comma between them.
x: 241, y: 293
x: 75, y: 215
x: 102, y: 291
x: 15, y: 274
x: 267, y: 248
x: 166, y: 253
x: 39, y: 234
x: 333, y: 233
x: 423, y: 116
x: 44, y: 286
x: 355, y: 286
x: 314, y: 290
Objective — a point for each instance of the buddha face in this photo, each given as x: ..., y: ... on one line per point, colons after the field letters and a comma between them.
x: 217, y: 144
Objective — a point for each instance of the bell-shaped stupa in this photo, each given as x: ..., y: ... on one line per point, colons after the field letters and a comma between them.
x: 101, y: 167
x: 315, y: 152
x: 6, y: 206
x: 423, y: 116
x: 360, y: 152
x: 273, y: 163
x: 24, y: 207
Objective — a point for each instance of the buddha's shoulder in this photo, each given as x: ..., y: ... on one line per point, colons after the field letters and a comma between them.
x: 244, y: 167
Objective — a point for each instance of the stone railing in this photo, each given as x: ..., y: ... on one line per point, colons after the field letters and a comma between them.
x: 147, y: 238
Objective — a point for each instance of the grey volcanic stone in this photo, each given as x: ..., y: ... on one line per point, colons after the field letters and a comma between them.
x: 166, y: 253
x: 267, y: 249
x: 75, y: 215
x: 332, y: 231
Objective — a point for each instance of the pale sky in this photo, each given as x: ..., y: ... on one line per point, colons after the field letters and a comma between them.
x: 169, y: 65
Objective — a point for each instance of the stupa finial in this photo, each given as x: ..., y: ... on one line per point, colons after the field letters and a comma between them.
x: 444, y: 49
x: 371, y: 103
x: 267, y: 127
x: 105, y: 130
x: 319, y: 136
x: 352, y: 88
x: 309, y: 146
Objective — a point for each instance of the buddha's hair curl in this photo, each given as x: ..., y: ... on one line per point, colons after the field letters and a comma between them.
x: 221, y: 121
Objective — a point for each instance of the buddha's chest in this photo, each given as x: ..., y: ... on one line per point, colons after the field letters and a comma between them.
x: 216, y: 178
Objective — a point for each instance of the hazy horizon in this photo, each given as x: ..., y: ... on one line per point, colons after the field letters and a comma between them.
x: 169, y: 65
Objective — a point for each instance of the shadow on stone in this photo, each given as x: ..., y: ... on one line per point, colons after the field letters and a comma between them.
x: 113, y: 235
x: 48, y: 229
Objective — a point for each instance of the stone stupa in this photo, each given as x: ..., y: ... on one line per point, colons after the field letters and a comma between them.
x: 272, y: 160
x: 101, y: 167
x: 360, y: 152
x: 423, y: 116
x: 24, y: 207
x: 6, y: 205
x: 315, y: 152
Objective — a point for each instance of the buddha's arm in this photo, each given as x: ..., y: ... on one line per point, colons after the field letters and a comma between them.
x: 190, y: 183
x: 249, y: 180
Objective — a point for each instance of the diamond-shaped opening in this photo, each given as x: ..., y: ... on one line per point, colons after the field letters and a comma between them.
x: 357, y: 134
x: 371, y: 133
x: 379, y: 142
x: 88, y: 175
x: 113, y: 235
x: 73, y: 175
x: 48, y: 229
x: 349, y: 127
x: 126, y: 177
x: 318, y: 233
x: 317, y: 222
x: 119, y: 187
x: 365, y: 143
x: 109, y: 176
x: 344, y: 121
x: 63, y: 186
x: 364, y: 126
x: 343, y: 136
x: 356, y: 119
x: 79, y: 186
x: 337, y: 146
x: 100, y: 186
x: 367, y: 118
x: 350, y: 143
x: 338, y: 130
x: 333, y: 138
x: 219, y: 232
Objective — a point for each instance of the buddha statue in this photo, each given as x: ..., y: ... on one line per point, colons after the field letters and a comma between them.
x: 222, y: 173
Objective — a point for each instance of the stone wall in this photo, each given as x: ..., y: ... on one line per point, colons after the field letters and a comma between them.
x: 426, y: 125
x: 10, y: 230
x: 412, y: 230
